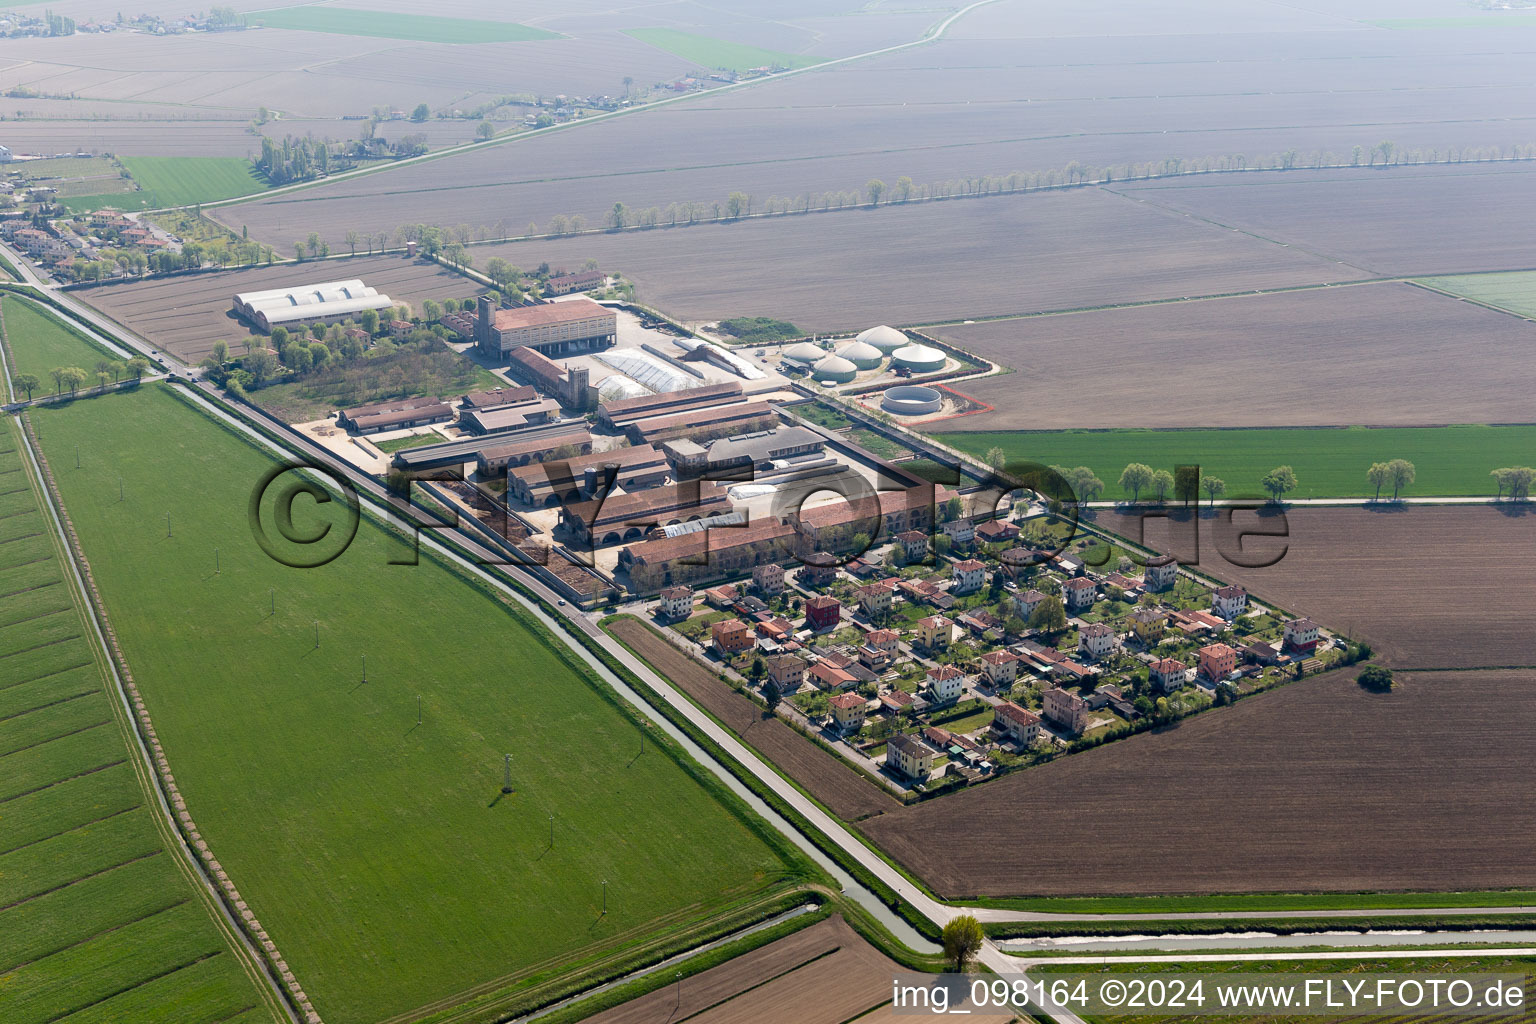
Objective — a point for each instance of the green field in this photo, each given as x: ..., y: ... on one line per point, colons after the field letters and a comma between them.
x: 98, y: 919
x: 1513, y: 290
x: 1329, y: 462
x: 708, y: 52
x: 37, y: 342
x: 379, y: 852
x: 188, y: 180
x: 422, y: 28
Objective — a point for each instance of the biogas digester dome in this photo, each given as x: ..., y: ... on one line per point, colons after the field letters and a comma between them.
x: 835, y: 369
x: 919, y: 358
x: 862, y: 355
x: 803, y: 352
x: 886, y: 339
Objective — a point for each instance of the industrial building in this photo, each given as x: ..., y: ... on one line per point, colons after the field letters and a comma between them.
x: 623, y: 517
x: 704, y: 424
x: 514, y: 416
x: 394, y: 415
x: 620, y: 414
x: 572, y: 388
x: 551, y: 328
x: 325, y: 303
x: 761, y: 450
x: 535, y: 445
x: 582, y: 478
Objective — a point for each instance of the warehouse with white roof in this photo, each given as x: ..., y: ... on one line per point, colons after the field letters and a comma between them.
x: 316, y: 303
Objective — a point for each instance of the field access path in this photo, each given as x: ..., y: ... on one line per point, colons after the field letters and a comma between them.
x: 551, y: 611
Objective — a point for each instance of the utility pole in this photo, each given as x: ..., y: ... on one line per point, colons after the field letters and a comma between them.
x: 77, y: 456
x: 317, y: 634
x: 605, y: 897
x: 216, y: 569
x: 506, y: 776
x: 167, y: 524
x: 418, y: 709
x: 272, y: 597
x: 551, y: 831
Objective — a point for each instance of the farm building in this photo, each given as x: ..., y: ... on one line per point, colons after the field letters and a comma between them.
x: 620, y: 414
x: 552, y: 328
x: 582, y: 478
x: 327, y: 303
x: 513, y: 416
x: 395, y: 415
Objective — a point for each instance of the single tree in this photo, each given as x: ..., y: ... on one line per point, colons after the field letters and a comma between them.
x: 1085, y: 484
x: 1401, y: 473
x: 996, y: 457
x: 771, y: 695
x: 1376, y: 678
x: 1049, y: 616
x: 27, y: 382
x: 1279, y: 481
x: 1520, y: 478
x: 954, y: 508
x: 73, y: 377
x: 352, y: 240
x: 618, y: 217
x: 1134, y: 477
x: 1214, y: 487
x: 57, y: 373
x: 1186, y: 484
x: 484, y: 130
x: 1377, y: 476
x: 962, y: 940
x: 138, y: 366
x: 876, y: 189
x: 421, y: 113
x: 1161, y: 483
x: 220, y: 353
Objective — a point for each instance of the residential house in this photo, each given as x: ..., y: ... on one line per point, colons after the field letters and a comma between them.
x: 1301, y: 636
x: 813, y: 576
x: 1095, y: 640
x: 1229, y: 602
x: 787, y: 672
x: 1261, y: 652
x: 676, y: 603
x: 848, y: 711
x: 1167, y: 674
x: 769, y: 579
x: 1216, y: 662
x: 1078, y: 593
x: 731, y: 637
x: 775, y: 628
x: 961, y: 532
x: 997, y: 531
x: 896, y: 701
x: 1161, y: 572
x: 914, y: 544
x: 969, y: 576
x: 1147, y: 623
x: 879, y: 649
x: 945, y: 682
x: 935, y: 632
x: 822, y: 613
x: 1026, y: 603
x: 829, y: 677
x: 1000, y: 667
x: 1015, y: 723
x: 909, y: 757
x: 1066, y: 709
x: 877, y: 599
x: 724, y: 596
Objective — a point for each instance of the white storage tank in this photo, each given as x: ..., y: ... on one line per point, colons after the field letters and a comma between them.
x: 886, y: 339
x: 835, y: 369
x: 862, y: 355
x: 919, y: 358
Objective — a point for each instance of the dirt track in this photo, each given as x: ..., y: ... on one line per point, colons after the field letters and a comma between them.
x: 835, y: 784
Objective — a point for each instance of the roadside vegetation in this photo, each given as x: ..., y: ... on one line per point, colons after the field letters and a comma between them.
x: 404, y: 824
x: 1325, y: 462
x: 98, y: 921
x: 36, y: 344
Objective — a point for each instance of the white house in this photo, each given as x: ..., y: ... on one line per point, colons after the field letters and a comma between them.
x: 945, y: 683
x: 1095, y: 640
x: 1161, y: 572
x: 1168, y: 674
x: 910, y: 757
x: 961, y: 531
x: 1229, y: 601
x: 1078, y: 593
x: 1067, y: 710
x: 1000, y: 667
x: 676, y: 603
x: 969, y: 576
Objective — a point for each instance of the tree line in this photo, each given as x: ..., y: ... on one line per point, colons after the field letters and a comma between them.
x: 73, y: 378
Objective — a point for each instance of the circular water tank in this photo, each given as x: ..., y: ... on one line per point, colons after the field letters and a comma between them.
x: 835, y: 369
x: 886, y: 339
x: 912, y: 400
x: 864, y: 356
x: 803, y: 352
x: 919, y: 358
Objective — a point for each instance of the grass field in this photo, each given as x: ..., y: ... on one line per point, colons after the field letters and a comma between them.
x: 379, y: 852
x: 36, y: 343
x: 98, y: 921
x: 187, y: 180
x: 388, y: 25
x: 716, y: 53
x: 1329, y: 462
x: 1514, y: 291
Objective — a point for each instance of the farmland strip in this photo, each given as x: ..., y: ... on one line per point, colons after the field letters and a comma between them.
x: 50, y: 704
x: 67, y: 778
x: 82, y: 878
x: 32, y: 618
x: 22, y: 565
x: 105, y: 931
x: 138, y: 984
x: 46, y: 675
x: 23, y: 512
x: 72, y: 828
x: 38, y: 647
x: 28, y: 590
x: 53, y: 739
x: 24, y: 536
x: 784, y: 973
